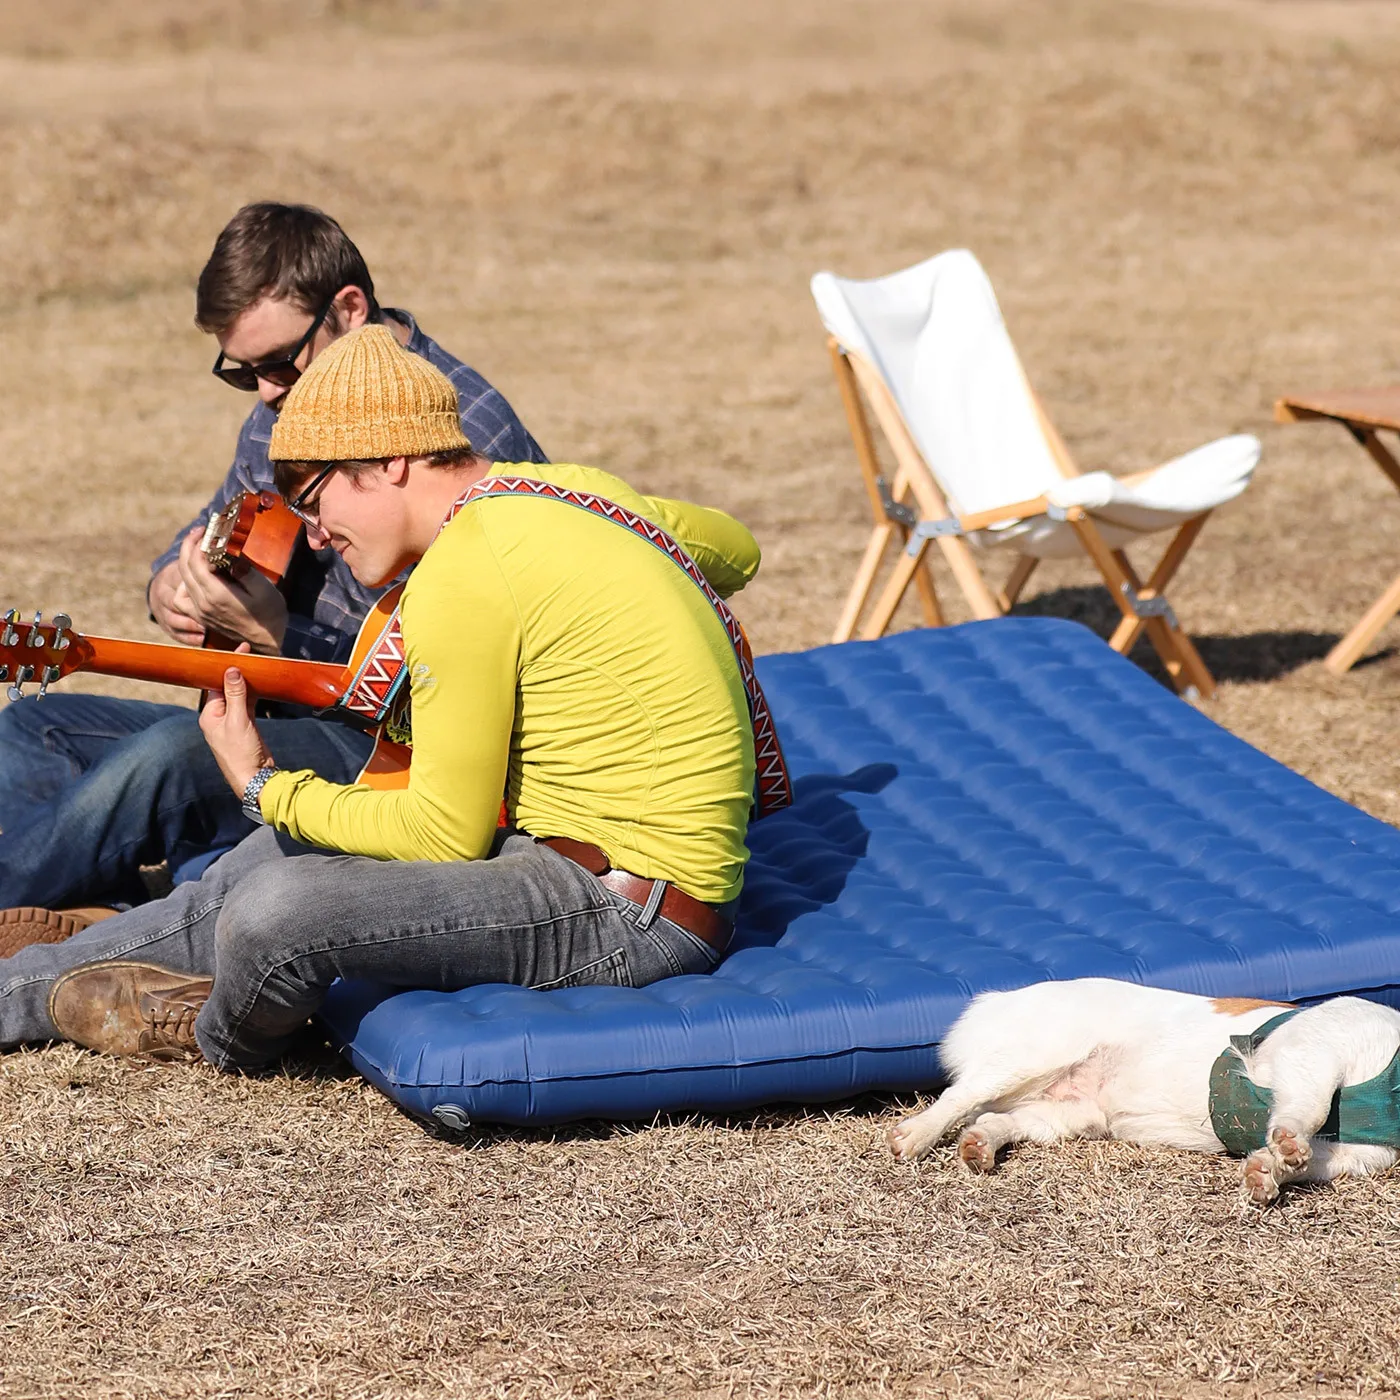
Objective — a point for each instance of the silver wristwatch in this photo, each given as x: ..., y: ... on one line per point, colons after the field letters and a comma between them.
x: 252, y: 808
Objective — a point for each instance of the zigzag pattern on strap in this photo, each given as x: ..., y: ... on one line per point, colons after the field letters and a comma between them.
x: 376, y: 684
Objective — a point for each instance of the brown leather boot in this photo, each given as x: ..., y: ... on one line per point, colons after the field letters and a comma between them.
x: 130, y: 1008
x: 27, y: 924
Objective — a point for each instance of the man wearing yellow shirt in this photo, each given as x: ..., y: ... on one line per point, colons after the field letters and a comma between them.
x: 551, y: 654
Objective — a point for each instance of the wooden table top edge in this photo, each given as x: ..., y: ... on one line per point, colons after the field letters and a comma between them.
x: 1372, y: 408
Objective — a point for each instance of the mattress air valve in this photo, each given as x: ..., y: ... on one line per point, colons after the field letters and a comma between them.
x: 453, y: 1117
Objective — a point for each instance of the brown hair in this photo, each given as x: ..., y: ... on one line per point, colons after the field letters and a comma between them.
x: 290, y: 477
x: 289, y: 251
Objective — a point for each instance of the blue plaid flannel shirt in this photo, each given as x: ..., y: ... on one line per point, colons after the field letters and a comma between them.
x: 325, y: 605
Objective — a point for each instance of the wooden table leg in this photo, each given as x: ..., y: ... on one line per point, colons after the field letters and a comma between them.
x: 1364, y: 414
x: 1353, y: 646
x: 1379, y: 453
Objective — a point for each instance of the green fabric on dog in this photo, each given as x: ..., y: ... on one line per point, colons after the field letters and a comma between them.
x: 1366, y: 1114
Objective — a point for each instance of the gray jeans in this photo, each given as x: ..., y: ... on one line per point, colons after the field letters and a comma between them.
x: 275, y: 923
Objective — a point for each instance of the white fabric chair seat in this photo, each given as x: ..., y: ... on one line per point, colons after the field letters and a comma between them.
x: 1163, y: 499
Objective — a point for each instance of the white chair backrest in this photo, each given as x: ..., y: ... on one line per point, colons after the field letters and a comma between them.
x: 935, y: 334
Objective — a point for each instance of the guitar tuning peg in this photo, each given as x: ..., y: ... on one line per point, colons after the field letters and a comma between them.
x: 34, y: 639
x: 49, y: 676
x: 22, y: 674
x: 9, y: 636
x: 61, y: 623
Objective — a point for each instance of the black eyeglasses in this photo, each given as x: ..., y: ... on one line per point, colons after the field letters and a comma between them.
x: 300, y: 505
x: 282, y: 371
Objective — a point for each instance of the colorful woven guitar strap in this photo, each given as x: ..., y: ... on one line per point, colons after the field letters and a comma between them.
x: 378, y: 692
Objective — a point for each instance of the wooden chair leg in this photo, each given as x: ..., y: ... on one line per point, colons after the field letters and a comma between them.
x: 1128, y: 631
x: 1016, y: 580
x: 864, y: 582
x: 1112, y: 565
x: 1183, y: 662
x: 928, y: 595
x: 1125, y: 635
x: 859, y: 425
x: 870, y: 472
x: 980, y: 598
x: 906, y: 567
x: 915, y: 477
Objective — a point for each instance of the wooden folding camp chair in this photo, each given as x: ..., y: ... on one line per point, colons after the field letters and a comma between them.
x: 979, y: 466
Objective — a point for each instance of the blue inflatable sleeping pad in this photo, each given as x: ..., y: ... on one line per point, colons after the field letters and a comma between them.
x: 977, y: 807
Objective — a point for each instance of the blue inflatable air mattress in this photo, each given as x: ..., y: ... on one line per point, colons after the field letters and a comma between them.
x: 976, y: 807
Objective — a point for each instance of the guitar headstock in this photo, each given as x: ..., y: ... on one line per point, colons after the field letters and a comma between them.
x: 35, y: 650
x: 254, y: 528
x: 228, y: 530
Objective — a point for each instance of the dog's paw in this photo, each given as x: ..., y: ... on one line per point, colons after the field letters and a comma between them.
x: 976, y: 1151
x: 1293, y: 1151
x: 1261, y: 1177
x: 909, y: 1140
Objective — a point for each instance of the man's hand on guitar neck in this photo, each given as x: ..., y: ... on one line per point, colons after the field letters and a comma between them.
x: 171, y: 607
x: 227, y: 723
x: 247, y: 607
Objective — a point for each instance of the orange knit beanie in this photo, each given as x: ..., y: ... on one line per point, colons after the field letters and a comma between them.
x: 367, y: 397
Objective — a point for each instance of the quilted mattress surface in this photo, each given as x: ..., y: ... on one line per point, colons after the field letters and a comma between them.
x: 977, y: 807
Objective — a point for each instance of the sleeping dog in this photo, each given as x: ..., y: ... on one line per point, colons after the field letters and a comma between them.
x: 1303, y: 1095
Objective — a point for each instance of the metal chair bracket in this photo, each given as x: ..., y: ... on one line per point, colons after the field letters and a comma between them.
x: 900, y: 514
x: 931, y: 530
x: 1147, y: 607
x: 907, y: 516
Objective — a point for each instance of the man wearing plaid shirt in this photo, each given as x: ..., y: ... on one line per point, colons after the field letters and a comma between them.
x: 92, y: 787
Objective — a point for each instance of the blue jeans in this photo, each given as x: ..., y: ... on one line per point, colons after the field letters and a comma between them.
x: 93, y: 788
x: 275, y: 923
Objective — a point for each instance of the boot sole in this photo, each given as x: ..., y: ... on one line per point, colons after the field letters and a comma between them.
x: 26, y: 925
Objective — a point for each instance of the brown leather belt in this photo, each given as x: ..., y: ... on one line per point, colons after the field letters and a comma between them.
x: 693, y: 915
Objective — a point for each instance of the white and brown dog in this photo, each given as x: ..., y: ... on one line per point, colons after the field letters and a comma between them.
x: 1101, y: 1058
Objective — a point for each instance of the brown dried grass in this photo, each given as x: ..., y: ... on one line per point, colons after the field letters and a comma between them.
x: 613, y: 211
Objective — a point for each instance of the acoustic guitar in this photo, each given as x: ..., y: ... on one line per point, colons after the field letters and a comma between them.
x: 46, y: 652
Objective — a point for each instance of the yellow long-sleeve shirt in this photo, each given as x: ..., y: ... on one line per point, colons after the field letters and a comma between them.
x: 560, y: 658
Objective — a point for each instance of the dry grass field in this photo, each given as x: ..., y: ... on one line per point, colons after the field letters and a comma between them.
x: 612, y: 210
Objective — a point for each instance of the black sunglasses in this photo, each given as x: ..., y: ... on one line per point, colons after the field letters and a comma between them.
x: 282, y: 371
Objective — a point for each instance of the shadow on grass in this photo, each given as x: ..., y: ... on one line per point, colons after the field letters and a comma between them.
x: 1257, y: 656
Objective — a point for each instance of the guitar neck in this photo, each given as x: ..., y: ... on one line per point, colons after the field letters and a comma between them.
x: 316, y: 683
